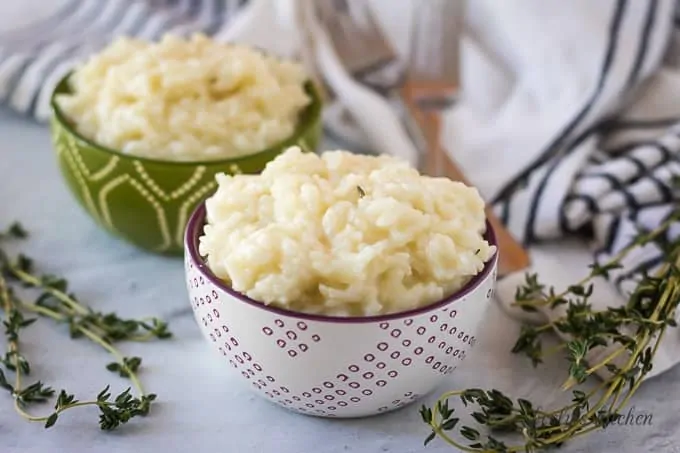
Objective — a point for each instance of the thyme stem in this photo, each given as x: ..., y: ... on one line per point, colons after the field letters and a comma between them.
x: 101, y: 329
x: 634, y: 331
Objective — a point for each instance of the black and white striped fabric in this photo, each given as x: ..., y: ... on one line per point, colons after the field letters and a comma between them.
x: 580, y: 131
x: 48, y: 43
x: 622, y: 169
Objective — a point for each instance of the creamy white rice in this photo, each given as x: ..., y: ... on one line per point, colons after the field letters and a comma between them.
x: 343, y: 234
x: 185, y: 99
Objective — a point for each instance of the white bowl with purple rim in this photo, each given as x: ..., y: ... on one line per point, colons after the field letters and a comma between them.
x: 330, y: 366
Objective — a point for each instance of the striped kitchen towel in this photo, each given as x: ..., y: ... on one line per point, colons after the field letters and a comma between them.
x: 41, y: 40
x: 571, y: 126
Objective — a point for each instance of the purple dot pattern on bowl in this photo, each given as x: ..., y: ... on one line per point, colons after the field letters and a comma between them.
x: 402, y: 344
x: 294, y: 337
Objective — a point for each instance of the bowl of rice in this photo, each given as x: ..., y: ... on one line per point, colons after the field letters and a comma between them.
x: 141, y: 128
x: 340, y: 285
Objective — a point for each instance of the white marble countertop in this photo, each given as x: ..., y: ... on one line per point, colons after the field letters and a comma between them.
x: 202, y: 408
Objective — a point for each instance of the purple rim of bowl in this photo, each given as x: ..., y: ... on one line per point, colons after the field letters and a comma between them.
x: 195, y: 229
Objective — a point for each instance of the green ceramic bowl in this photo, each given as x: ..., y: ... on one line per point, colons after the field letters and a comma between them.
x: 147, y: 201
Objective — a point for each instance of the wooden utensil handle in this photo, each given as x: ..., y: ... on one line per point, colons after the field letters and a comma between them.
x: 512, y: 255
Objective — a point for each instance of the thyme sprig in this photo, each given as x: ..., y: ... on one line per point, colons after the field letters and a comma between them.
x: 626, y: 339
x: 55, y: 302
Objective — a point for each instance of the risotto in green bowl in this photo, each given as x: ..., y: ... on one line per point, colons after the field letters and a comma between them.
x: 141, y: 129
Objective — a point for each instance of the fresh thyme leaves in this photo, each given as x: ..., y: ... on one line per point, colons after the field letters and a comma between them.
x: 15, y: 230
x: 34, y: 393
x: 55, y: 302
x: 361, y: 191
x: 130, y: 364
x: 112, y: 412
x: 628, y: 337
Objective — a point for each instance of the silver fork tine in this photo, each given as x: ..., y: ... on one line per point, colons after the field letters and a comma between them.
x: 341, y: 5
x: 358, y: 40
x: 434, y: 56
x: 367, y: 55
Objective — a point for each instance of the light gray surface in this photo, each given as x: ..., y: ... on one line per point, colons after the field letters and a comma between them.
x: 201, y: 407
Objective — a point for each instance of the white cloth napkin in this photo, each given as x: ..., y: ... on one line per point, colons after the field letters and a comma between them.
x: 569, y: 121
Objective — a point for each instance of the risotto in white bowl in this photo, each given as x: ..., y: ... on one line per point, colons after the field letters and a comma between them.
x: 342, y: 234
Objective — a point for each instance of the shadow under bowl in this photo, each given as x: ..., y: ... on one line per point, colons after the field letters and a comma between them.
x: 326, y: 366
x: 147, y: 202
